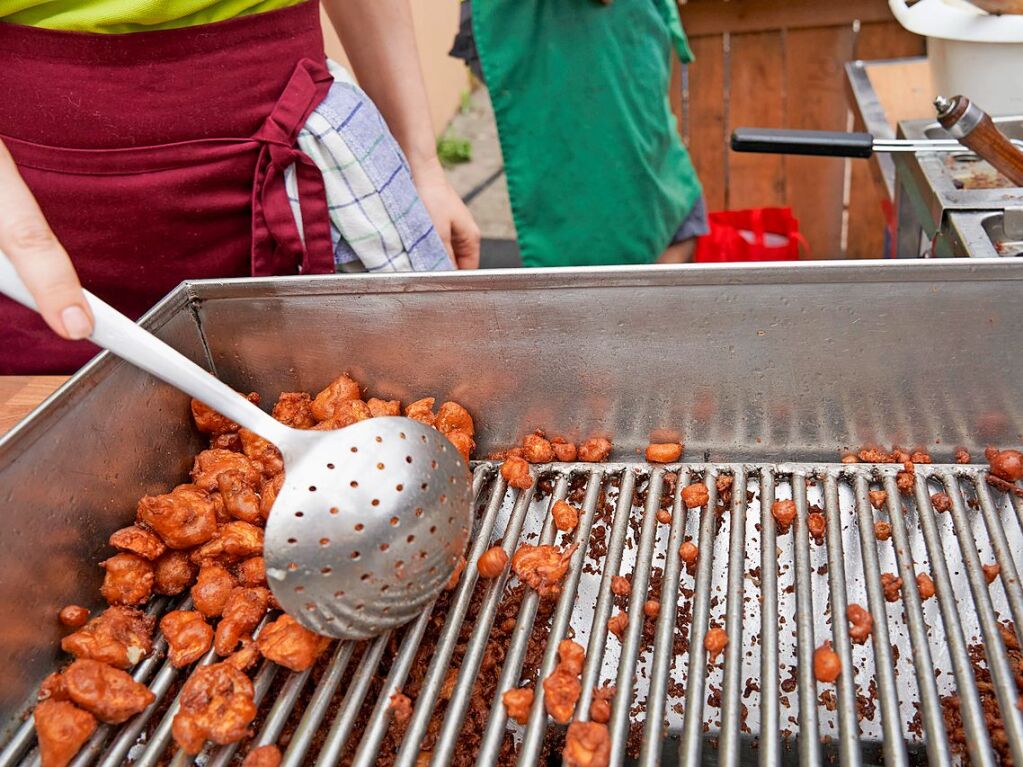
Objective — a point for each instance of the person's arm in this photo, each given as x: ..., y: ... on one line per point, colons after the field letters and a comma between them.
x: 379, y: 39
x: 38, y: 256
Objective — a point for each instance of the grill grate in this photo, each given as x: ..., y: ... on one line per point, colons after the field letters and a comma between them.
x: 779, y: 596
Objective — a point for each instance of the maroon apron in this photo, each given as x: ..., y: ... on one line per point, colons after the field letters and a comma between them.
x: 159, y: 157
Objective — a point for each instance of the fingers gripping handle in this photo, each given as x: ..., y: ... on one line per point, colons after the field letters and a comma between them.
x: 130, y: 342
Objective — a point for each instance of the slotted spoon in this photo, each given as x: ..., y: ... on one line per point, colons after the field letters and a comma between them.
x: 371, y: 519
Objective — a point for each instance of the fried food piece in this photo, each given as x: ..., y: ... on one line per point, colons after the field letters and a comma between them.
x: 268, y: 494
x: 73, y: 616
x: 689, y: 553
x: 264, y: 756
x: 882, y: 530
x: 517, y: 704
x: 724, y: 487
x: 216, y: 704
x: 243, y: 610
x: 516, y: 473
x: 566, y: 518
x: 537, y: 449
x: 463, y: 443
x: 542, y: 567
x: 600, y: 707
x: 892, y: 585
x: 230, y: 441
x: 453, y: 417
x: 565, y: 452
x: 345, y: 414
x: 920, y: 456
x: 128, y: 580
x: 455, y: 574
x: 715, y: 642
x: 108, y: 693
x: 962, y: 455
x: 664, y: 452
x: 120, y: 636
x: 211, y: 589
x: 941, y: 502
x: 246, y: 657
x: 288, y: 644
x: 587, y: 744
x: 663, y: 516
x: 617, y: 624
x: 620, y: 586
x: 422, y: 410
x: 651, y: 608
x: 240, y: 500
x: 341, y: 389
x: 826, y: 663
x: 905, y: 480
x: 816, y: 526
x: 188, y: 636
x: 263, y: 455
x: 173, y: 572
x: 594, y: 450
x: 139, y: 541
x: 784, y: 513
x: 401, y: 707
x: 991, y: 572
x: 561, y: 690
x: 571, y: 656
x: 62, y: 729
x: 861, y: 623
x: 492, y: 562
x: 1005, y: 464
x: 252, y: 572
x: 209, y: 421
x: 925, y: 586
x: 235, y: 540
x: 873, y: 455
x: 878, y: 498
x: 183, y: 518
x: 209, y: 464
x: 295, y: 409
x: 695, y: 495
x: 383, y: 407
x: 849, y: 458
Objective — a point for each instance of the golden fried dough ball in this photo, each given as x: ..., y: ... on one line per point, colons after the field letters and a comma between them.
x: 211, y: 589
x: 173, y: 572
x: 62, y: 729
x: 565, y: 452
x: 536, y: 449
x: 234, y: 541
x: 341, y: 389
x: 620, y: 586
x: 383, y: 407
x: 561, y: 690
x: 346, y: 413
x: 784, y: 513
x: 587, y: 744
x: 242, y: 612
x: 294, y: 409
x: 268, y: 494
x: 695, y: 495
x: 73, y: 616
x: 618, y: 623
x: 209, y: 421
x: 422, y: 410
x: 188, y: 636
x: 463, y: 443
x: 925, y: 586
x: 120, y: 636
x: 492, y: 562
x: 826, y: 663
x: 183, y: 518
x: 209, y: 464
x: 139, y: 541
x: 128, y: 580
x: 289, y: 644
x: 542, y: 567
x: 240, y: 500
x: 108, y: 693
x: 892, y: 586
x: 571, y: 656
x: 594, y: 450
x: 453, y: 417
x: 516, y: 473
x: 861, y: 623
x: 566, y: 518
x: 664, y: 452
x: 252, y: 572
x: 264, y: 756
x: 517, y: 703
x: 263, y: 455
x: 715, y: 642
x: 216, y: 704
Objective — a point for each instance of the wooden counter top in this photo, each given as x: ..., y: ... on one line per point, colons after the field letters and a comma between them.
x: 19, y: 394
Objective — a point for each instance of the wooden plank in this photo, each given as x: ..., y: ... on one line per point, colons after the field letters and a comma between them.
x: 756, y: 99
x: 814, y: 76
x: 868, y: 204
x: 705, y: 118
x: 20, y: 394
x: 711, y: 17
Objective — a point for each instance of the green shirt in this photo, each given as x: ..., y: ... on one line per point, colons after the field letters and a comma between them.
x: 119, y: 16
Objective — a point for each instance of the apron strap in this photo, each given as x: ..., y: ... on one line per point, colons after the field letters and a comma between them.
x: 278, y: 247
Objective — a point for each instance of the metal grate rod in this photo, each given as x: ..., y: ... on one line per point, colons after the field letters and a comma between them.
x: 511, y: 671
x: 660, y: 667
x: 634, y: 631
x: 848, y: 727
x: 894, y: 747
x: 1003, y: 555
x: 809, y: 743
x: 409, y: 752
x: 728, y: 749
x: 278, y: 715
x: 317, y: 708
x: 978, y: 745
x: 770, y: 739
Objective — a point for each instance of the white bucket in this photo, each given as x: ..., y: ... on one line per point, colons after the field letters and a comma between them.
x: 971, y: 52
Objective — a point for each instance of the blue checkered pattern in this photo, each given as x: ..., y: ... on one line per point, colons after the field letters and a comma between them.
x: 377, y: 221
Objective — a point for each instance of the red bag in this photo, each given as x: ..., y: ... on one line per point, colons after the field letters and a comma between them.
x: 759, y: 234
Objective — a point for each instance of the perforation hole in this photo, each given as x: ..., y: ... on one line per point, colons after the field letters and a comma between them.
x: 356, y: 555
x: 365, y: 576
x: 379, y: 438
x: 394, y: 521
x: 299, y: 589
x: 375, y: 502
x: 312, y: 488
x: 310, y: 606
x: 327, y: 570
x: 330, y: 466
x: 339, y: 594
x: 355, y: 449
x: 299, y: 513
x: 385, y: 546
x: 401, y: 435
x: 408, y: 459
x: 360, y: 527
x: 380, y: 466
x: 335, y: 510
x: 292, y: 540
x: 399, y: 487
x: 354, y: 483
x: 292, y: 566
x: 410, y: 539
x: 324, y: 541
x: 419, y: 511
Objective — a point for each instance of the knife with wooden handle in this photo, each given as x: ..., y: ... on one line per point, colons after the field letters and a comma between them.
x: 974, y: 128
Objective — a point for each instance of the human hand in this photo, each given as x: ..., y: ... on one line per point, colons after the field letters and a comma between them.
x: 452, y: 219
x: 38, y: 257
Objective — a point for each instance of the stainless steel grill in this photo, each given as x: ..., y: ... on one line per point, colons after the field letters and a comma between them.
x: 778, y: 596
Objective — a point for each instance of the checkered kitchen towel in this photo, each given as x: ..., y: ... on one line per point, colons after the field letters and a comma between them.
x: 377, y: 221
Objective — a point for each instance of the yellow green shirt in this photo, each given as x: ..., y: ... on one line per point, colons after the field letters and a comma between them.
x: 119, y: 16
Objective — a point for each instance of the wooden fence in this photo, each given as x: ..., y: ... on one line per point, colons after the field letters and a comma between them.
x: 780, y: 63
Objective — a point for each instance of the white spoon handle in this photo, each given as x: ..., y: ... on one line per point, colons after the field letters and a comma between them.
x: 130, y: 342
